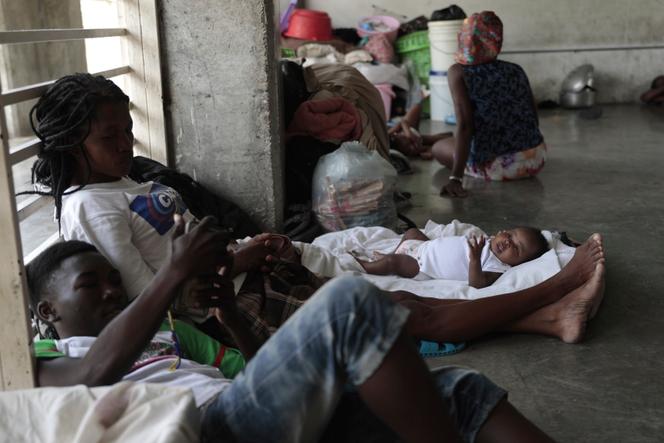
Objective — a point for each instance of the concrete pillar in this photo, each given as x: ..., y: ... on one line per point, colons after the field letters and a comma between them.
x: 222, y: 95
x: 25, y: 64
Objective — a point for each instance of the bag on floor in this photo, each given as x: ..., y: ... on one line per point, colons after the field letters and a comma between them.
x: 353, y: 186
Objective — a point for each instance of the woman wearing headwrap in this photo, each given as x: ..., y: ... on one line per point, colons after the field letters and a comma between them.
x: 497, y: 135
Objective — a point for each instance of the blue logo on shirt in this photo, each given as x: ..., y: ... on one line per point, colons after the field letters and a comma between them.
x: 158, y: 207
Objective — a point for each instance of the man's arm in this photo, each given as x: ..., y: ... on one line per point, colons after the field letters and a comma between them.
x: 125, y: 337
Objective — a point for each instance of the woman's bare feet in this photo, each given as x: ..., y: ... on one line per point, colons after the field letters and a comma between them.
x: 582, y: 266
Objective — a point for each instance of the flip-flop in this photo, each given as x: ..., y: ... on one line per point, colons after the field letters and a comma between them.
x: 432, y: 349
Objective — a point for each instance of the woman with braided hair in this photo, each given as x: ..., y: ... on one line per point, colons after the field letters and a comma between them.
x: 62, y: 120
x: 86, y: 153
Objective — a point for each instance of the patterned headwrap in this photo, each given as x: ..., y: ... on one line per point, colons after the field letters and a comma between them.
x: 480, y: 39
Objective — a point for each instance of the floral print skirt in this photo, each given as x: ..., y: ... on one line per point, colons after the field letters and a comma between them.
x: 512, y: 166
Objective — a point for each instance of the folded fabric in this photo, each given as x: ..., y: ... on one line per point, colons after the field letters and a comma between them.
x: 338, y: 80
x: 334, y: 119
x: 319, y: 53
x: 358, y: 56
x: 384, y: 73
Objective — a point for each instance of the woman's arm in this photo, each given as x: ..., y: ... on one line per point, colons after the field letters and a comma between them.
x: 464, y: 131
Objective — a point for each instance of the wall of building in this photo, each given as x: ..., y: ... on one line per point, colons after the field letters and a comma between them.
x: 543, y: 24
x: 222, y: 100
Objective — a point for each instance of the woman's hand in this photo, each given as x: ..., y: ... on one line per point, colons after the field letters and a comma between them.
x: 406, y: 140
x: 454, y: 189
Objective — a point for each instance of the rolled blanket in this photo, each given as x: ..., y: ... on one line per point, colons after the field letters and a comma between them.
x: 334, y: 119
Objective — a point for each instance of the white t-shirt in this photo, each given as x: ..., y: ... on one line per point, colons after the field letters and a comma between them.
x: 205, y: 381
x: 130, y: 223
x: 447, y: 258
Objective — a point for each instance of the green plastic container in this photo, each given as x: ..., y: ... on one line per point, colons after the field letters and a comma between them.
x: 415, y: 47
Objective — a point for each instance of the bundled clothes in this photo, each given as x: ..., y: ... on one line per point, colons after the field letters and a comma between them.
x: 334, y: 119
x: 336, y: 80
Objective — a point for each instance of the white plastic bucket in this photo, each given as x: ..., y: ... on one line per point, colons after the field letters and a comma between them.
x: 442, y: 106
x: 443, y: 43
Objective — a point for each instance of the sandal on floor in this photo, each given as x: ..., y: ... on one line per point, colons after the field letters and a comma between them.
x: 432, y: 349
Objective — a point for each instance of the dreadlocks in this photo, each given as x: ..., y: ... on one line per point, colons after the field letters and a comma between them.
x: 62, y: 119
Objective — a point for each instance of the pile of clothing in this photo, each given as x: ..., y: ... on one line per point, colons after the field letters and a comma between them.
x: 341, y: 85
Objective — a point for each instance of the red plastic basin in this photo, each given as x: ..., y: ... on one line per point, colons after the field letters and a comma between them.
x: 307, y: 24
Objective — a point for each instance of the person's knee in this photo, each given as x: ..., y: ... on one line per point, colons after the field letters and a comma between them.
x: 470, y: 395
x: 348, y: 293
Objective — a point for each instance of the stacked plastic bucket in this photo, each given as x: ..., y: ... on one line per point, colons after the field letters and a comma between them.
x: 443, y: 44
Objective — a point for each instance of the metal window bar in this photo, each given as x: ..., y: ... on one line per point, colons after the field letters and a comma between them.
x: 30, y: 148
x: 16, y: 360
x: 54, y: 35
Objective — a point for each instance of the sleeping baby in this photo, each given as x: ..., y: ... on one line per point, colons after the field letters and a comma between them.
x: 478, y: 261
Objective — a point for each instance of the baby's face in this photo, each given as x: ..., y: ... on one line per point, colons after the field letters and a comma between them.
x: 513, y: 246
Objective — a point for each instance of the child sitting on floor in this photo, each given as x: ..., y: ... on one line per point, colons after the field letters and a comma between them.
x: 459, y: 258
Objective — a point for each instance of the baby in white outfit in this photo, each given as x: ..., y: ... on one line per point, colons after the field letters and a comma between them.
x: 477, y: 261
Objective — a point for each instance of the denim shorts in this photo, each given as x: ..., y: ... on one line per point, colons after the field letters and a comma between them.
x: 296, y: 387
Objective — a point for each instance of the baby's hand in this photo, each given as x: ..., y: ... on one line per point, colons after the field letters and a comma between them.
x: 475, y: 245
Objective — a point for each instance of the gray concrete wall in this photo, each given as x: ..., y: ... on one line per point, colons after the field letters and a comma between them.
x: 222, y: 100
x: 25, y: 64
x: 546, y: 24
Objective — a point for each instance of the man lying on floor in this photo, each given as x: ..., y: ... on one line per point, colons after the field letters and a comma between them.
x: 347, y: 334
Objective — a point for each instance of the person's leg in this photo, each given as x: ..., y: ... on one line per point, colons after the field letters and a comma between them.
x: 443, y: 151
x: 567, y: 318
x: 460, y: 321
x: 507, y: 425
x: 431, y: 139
x: 348, y: 333
x: 392, y: 264
x: 480, y: 409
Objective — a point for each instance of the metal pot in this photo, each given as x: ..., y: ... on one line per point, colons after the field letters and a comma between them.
x: 578, y: 79
x: 575, y: 100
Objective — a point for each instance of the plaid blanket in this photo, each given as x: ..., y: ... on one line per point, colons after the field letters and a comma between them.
x: 267, y: 300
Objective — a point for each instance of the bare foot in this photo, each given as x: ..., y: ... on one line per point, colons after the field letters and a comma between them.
x: 576, y: 308
x: 582, y: 266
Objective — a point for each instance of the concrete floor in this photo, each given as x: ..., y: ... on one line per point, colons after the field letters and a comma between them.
x: 606, y: 176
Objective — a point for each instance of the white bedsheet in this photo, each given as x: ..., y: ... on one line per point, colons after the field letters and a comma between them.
x: 125, y: 412
x: 329, y: 256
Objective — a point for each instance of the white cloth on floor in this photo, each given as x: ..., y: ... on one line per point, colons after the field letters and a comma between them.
x: 329, y: 256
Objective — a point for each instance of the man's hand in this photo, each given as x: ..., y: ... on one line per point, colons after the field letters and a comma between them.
x: 211, y: 291
x: 475, y: 246
x: 454, y: 189
x: 201, y: 251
